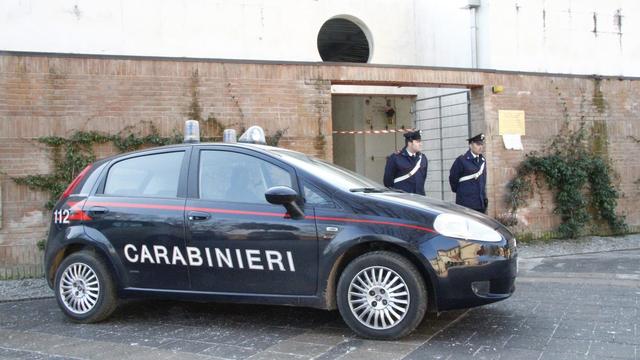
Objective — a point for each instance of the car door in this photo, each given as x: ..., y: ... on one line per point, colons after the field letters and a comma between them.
x: 139, y: 209
x: 245, y: 244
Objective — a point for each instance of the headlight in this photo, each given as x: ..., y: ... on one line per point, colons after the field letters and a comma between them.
x: 464, y: 228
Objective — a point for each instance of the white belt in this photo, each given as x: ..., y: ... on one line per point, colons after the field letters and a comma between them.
x: 410, y: 174
x: 473, y: 176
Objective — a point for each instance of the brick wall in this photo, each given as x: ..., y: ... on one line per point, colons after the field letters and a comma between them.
x: 547, y: 102
x: 41, y: 96
x: 54, y: 95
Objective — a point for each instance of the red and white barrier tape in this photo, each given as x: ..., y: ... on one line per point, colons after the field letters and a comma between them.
x: 374, y: 132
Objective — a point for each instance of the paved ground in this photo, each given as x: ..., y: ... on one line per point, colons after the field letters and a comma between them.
x: 565, y: 307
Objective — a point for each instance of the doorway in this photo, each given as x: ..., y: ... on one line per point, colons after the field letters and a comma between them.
x: 368, y: 128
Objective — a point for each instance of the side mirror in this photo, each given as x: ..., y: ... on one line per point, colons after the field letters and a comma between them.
x: 286, y: 196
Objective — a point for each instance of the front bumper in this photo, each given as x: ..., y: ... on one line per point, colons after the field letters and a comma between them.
x: 473, y: 273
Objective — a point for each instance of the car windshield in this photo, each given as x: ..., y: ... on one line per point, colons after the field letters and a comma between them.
x: 340, y: 177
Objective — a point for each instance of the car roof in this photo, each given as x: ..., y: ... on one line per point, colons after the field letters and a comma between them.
x: 266, y: 149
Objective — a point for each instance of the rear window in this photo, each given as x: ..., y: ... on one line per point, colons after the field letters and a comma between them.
x: 89, y: 181
x: 154, y: 175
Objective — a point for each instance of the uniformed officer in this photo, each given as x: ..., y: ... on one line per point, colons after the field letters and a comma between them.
x: 468, y: 176
x: 407, y: 170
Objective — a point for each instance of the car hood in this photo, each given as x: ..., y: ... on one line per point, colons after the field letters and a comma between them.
x: 433, y: 206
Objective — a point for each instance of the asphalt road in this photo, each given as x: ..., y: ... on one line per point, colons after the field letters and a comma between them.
x: 565, y: 307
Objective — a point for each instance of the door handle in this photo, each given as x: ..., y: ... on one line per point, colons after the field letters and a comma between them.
x: 198, y: 216
x: 98, y: 210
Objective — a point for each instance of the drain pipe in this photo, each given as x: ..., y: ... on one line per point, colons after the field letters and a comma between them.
x: 473, y: 6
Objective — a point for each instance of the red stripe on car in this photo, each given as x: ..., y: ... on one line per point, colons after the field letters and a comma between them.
x: 374, y: 222
x: 255, y: 213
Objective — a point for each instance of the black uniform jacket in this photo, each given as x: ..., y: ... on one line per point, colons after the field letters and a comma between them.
x: 471, y: 193
x: 399, y: 164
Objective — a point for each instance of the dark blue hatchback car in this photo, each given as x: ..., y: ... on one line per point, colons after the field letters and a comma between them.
x: 258, y: 224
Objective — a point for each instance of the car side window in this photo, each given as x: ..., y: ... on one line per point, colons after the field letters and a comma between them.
x: 315, y: 197
x: 236, y: 177
x: 154, y: 175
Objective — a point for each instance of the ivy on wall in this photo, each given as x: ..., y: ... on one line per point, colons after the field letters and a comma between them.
x: 577, y: 170
x: 72, y: 154
x: 637, y: 182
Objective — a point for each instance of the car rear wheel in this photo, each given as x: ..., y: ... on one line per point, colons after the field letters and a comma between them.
x: 84, y: 288
x: 381, y: 295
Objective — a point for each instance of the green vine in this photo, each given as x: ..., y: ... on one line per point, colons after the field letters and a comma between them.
x: 637, y: 182
x: 71, y: 155
x: 273, y: 140
x: 580, y: 177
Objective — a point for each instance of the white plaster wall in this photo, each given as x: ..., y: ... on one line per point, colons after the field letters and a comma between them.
x: 558, y: 36
x: 238, y: 29
x: 443, y: 33
x: 511, y: 34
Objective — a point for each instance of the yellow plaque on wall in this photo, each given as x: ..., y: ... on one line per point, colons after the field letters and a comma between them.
x: 511, y: 122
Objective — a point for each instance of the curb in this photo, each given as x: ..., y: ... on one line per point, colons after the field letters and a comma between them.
x: 26, y: 299
x: 580, y: 253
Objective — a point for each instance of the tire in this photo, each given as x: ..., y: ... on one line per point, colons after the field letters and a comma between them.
x: 84, y: 288
x: 386, y: 284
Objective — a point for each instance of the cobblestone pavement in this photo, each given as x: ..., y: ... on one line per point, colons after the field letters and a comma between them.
x: 565, y: 307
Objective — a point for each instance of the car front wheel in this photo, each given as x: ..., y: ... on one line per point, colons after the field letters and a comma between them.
x: 84, y: 288
x: 381, y: 295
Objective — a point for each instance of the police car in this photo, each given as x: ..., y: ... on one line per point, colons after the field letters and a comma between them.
x: 251, y: 223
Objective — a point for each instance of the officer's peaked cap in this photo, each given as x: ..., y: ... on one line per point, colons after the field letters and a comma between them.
x: 477, y: 139
x: 412, y: 135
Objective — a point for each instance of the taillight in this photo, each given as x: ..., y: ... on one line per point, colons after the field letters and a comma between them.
x: 73, y: 213
x: 79, y: 216
x: 75, y: 182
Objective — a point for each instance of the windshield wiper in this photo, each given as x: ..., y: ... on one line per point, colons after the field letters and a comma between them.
x: 395, y: 190
x: 369, y: 190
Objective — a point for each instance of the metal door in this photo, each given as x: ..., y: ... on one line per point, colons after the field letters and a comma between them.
x: 444, y: 121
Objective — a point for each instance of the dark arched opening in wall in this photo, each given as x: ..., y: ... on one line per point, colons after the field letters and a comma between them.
x: 342, y: 40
